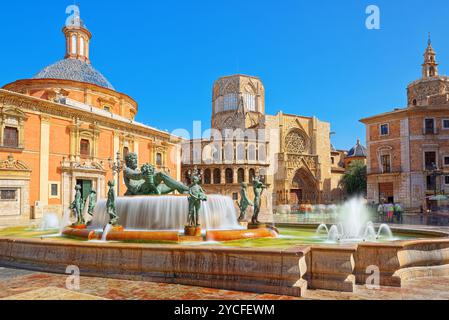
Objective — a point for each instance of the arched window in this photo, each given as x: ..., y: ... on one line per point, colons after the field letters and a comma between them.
x: 81, y: 46
x: 241, y: 152
x: 229, y: 152
x: 250, y: 102
x: 229, y: 176
x: 252, y: 152
x: 187, y: 178
x: 262, y: 152
x: 217, y: 176
x: 74, y: 44
x: 252, y: 175
x: 241, y: 175
x: 85, y: 148
x: 125, y: 152
x: 207, y: 176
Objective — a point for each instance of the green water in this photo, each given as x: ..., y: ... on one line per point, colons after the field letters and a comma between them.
x: 289, y: 237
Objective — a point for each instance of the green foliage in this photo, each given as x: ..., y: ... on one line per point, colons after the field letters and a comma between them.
x: 354, y: 180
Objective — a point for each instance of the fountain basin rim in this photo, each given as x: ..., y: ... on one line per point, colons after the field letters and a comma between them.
x: 171, y: 236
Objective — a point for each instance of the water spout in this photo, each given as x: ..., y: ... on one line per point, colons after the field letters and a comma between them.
x: 106, y: 231
x: 386, y: 230
x: 321, y: 228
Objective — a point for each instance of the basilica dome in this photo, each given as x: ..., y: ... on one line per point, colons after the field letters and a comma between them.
x: 75, y: 70
x: 357, y: 151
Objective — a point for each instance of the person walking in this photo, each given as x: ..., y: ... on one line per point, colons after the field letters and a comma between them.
x: 398, y: 212
x: 390, y: 211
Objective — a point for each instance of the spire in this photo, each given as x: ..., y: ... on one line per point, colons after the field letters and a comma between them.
x: 77, y: 38
x: 430, y: 66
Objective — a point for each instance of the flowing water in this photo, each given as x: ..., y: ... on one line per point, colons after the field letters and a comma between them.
x: 49, y: 221
x: 167, y: 213
x: 354, y: 224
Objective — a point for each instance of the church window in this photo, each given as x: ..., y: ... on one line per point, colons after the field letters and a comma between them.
x: 82, y: 46
x: 295, y: 143
x: 207, y: 176
x: 384, y: 129
x: 229, y: 176
x: 125, y: 152
x: 11, y: 137
x: 217, y: 176
x: 74, y: 44
x: 252, y: 175
x: 230, y: 102
x: 252, y: 153
x: 241, y: 175
x: 250, y: 102
x: 85, y: 148
x: 159, y: 159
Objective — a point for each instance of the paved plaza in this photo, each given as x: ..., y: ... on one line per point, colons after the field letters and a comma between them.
x: 28, y: 285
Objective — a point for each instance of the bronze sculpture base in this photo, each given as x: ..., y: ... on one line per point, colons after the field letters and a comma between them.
x: 192, y: 231
x: 252, y: 226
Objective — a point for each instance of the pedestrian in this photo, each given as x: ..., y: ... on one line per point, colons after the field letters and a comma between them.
x: 380, y: 212
x: 390, y: 211
x: 398, y: 210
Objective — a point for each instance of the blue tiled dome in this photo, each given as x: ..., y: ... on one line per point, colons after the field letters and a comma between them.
x: 357, y: 151
x: 75, y: 70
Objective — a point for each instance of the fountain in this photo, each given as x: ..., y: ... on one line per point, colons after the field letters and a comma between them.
x: 152, y: 211
x: 167, y: 213
x: 354, y: 224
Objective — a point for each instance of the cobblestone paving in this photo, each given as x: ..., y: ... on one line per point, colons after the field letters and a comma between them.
x: 20, y: 284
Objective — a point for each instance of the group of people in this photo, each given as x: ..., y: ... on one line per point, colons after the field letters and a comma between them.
x: 390, y: 212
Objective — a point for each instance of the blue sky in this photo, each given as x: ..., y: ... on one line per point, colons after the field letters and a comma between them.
x: 314, y: 57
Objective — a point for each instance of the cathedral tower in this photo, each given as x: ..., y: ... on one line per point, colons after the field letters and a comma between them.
x: 77, y: 39
x: 430, y: 66
x: 238, y: 103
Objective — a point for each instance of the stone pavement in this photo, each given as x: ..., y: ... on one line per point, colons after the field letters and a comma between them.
x: 28, y: 285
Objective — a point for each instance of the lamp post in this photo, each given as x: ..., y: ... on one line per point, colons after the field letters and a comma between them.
x: 117, y: 167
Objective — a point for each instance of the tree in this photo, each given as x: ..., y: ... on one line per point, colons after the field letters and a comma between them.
x: 354, y: 180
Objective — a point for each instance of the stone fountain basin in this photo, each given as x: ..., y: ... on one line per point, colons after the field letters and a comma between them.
x: 169, y: 236
x: 288, y: 271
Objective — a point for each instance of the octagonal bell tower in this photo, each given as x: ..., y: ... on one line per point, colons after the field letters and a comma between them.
x: 238, y: 103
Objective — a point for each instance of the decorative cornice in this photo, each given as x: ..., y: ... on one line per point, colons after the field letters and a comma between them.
x: 50, y: 108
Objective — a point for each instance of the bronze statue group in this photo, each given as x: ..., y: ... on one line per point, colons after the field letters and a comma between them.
x: 147, y: 181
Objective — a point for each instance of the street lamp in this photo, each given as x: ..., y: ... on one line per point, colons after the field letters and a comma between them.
x: 117, y: 167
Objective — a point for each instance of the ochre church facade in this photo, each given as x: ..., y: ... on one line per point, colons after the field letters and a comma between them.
x: 65, y: 127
